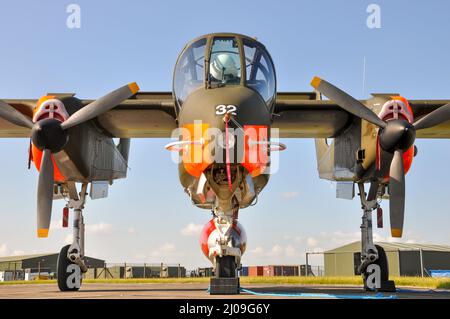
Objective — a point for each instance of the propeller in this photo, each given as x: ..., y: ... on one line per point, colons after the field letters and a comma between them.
x: 51, y: 136
x: 45, y: 194
x: 395, y: 136
x: 10, y: 114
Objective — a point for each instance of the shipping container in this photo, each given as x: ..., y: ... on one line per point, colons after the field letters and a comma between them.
x: 287, y: 270
x: 303, y: 270
x: 268, y: 271
x: 244, y: 271
x: 254, y: 271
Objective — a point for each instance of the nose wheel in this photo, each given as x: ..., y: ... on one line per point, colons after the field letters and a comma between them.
x: 226, y: 280
x: 226, y: 254
x: 226, y: 267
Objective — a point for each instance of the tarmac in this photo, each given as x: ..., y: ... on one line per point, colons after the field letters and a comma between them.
x: 199, y: 291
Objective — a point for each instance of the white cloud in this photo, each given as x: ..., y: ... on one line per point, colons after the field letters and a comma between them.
x: 259, y: 251
x: 276, y: 251
x: 326, y: 241
x: 140, y: 256
x: 18, y: 253
x: 3, y: 250
x: 166, y: 249
x: 94, y: 229
x: 312, y: 242
x: 91, y: 229
x: 99, y: 229
x: 131, y: 231
x: 289, y: 195
x: 56, y: 225
x: 290, y: 251
x: 191, y: 229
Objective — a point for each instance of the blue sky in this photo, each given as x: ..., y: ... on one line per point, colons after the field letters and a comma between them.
x: 147, y: 217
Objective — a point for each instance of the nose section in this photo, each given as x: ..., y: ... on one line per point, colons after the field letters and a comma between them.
x: 207, y: 110
x: 210, y: 106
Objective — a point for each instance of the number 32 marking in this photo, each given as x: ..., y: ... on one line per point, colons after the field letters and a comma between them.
x: 222, y: 109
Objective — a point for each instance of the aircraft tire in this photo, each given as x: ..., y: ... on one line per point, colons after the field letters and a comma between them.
x: 226, y: 267
x: 69, y: 273
x: 382, y: 262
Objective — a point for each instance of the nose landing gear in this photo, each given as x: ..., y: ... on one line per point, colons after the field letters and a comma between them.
x: 225, y: 251
x: 223, y: 242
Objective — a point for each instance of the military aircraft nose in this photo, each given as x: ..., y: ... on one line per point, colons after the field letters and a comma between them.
x: 241, y: 105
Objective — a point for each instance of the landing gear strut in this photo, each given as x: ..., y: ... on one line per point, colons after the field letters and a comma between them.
x: 70, y: 259
x: 374, y: 265
x: 224, y: 242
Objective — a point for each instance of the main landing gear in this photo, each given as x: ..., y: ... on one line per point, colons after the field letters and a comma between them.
x: 374, y: 265
x: 70, y: 260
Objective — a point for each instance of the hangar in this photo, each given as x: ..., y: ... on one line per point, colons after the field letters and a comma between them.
x: 403, y: 259
x: 38, y: 263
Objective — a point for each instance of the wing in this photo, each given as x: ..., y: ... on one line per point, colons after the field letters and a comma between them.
x: 144, y: 115
x: 8, y: 129
x: 421, y: 108
x: 147, y: 114
x: 304, y: 115
x: 296, y: 114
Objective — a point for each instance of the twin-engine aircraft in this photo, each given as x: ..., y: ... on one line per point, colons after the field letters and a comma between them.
x: 226, y: 115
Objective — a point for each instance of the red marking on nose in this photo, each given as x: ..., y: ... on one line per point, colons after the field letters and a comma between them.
x: 227, y: 152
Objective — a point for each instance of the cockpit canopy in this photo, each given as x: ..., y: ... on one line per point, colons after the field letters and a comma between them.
x: 231, y: 59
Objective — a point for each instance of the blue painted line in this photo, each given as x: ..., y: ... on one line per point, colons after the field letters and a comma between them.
x: 316, y: 295
x: 409, y: 291
x: 319, y: 295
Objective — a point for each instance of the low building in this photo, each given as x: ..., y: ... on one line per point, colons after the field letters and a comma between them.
x: 271, y: 270
x: 38, y: 263
x: 128, y: 271
x: 203, y: 272
x: 403, y: 259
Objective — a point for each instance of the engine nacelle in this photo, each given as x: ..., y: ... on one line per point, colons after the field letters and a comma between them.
x: 219, y: 239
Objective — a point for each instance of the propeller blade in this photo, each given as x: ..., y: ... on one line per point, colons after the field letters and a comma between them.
x: 45, y: 194
x: 397, y: 194
x: 10, y: 114
x: 101, y: 105
x: 434, y: 118
x: 346, y: 101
